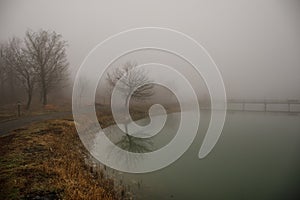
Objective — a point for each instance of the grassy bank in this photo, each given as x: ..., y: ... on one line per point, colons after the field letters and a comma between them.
x: 46, y: 161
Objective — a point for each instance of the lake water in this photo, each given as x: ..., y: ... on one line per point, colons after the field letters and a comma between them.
x: 256, y: 157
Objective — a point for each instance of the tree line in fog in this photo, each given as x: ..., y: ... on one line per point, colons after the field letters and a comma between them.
x: 35, y: 65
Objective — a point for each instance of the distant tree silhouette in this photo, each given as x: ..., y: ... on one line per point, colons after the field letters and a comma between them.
x: 46, y: 51
x: 17, y: 66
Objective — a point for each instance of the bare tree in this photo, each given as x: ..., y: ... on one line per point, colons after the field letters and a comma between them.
x: 135, y: 85
x: 17, y: 62
x: 8, y: 78
x: 47, y: 53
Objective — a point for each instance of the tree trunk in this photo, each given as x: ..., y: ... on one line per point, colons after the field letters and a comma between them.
x: 30, y: 87
x: 126, y: 124
x: 29, y: 98
x: 43, y: 82
x: 44, y: 97
x: 12, y: 82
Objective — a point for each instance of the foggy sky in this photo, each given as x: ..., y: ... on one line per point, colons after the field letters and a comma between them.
x: 255, y: 44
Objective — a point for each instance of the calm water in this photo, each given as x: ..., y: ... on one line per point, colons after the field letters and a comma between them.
x: 256, y: 157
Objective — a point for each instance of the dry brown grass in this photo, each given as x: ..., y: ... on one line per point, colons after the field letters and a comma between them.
x: 47, y: 160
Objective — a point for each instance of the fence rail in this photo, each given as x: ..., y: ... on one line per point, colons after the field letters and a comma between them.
x: 291, y: 105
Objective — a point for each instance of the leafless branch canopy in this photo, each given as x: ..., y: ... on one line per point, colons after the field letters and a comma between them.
x: 38, y: 60
x: 47, y: 53
x: 16, y: 63
x: 134, y: 82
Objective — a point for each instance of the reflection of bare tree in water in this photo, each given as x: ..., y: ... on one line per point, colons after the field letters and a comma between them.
x: 134, y: 144
x: 133, y: 147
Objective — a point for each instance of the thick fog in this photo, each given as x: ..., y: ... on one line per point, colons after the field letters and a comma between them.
x: 255, y: 44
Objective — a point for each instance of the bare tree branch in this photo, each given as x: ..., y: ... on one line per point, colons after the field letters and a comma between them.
x: 135, y: 82
x: 47, y: 53
x: 15, y: 59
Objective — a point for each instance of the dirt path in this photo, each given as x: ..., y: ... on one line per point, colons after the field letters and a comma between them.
x: 6, y: 127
